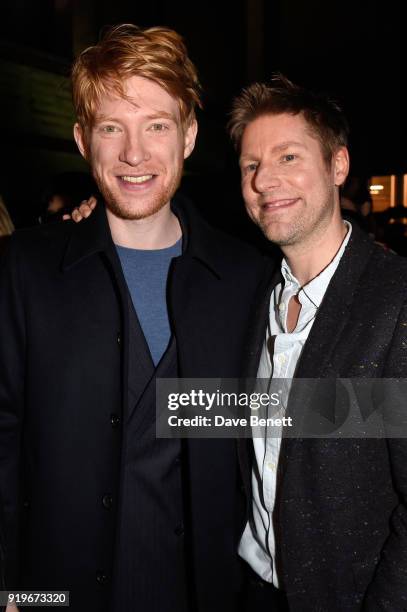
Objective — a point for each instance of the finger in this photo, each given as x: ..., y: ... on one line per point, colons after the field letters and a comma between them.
x: 84, y: 209
x: 92, y: 202
x: 76, y: 215
x: 66, y: 217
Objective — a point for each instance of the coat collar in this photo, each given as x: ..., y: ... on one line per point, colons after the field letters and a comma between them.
x: 92, y: 235
x: 206, y: 244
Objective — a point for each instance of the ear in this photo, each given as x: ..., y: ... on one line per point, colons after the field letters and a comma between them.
x: 190, y: 137
x: 341, y: 166
x: 80, y: 140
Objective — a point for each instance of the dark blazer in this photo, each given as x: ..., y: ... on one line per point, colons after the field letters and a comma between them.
x: 63, y: 391
x: 341, y: 508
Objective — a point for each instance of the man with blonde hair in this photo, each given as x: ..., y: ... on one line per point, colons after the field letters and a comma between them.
x: 327, y: 526
x: 90, y: 316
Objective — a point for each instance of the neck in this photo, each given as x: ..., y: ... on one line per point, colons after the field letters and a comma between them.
x: 158, y: 231
x: 308, y: 259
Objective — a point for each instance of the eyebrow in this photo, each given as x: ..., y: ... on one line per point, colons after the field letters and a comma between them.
x: 160, y: 114
x: 289, y: 143
x: 278, y: 148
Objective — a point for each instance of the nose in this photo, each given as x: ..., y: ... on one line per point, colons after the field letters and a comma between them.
x: 134, y: 150
x: 266, y: 179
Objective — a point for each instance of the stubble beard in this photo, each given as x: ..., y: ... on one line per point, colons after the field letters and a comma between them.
x: 302, y: 228
x: 127, y: 210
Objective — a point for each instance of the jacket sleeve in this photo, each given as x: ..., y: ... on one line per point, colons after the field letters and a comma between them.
x: 388, y: 590
x: 12, y: 367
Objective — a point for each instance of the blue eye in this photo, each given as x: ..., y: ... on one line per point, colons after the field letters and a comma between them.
x: 110, y: 129
x: 252, y: 167
x: 158, y: 127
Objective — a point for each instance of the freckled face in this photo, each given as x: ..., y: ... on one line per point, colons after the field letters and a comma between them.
x: 137, y: 148
x: 288, y: 188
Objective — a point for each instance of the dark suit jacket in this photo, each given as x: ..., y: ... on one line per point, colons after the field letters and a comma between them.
x: 341, y: 509
x: 63, y: 391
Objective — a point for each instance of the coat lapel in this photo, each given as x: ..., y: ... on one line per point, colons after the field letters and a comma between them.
x: 140, y: 364
x: 334, y: 311
x: 88, y: 237
x: 92, y: 237
x: 328, y: 331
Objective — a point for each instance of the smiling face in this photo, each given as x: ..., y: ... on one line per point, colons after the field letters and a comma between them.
x: 289, y: 189
x: 136, y: 148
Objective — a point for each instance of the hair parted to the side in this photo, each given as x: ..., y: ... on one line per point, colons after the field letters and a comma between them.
x: 323, y: 115
x: 125, y: 50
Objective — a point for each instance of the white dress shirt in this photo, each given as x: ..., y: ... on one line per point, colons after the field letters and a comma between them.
x: 279, y: 358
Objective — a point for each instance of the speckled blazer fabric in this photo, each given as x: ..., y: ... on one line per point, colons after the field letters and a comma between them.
x: 341, y: 516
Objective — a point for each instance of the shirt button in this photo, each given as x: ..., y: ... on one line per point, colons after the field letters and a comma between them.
x: 282, y: 358
x: 101, y: 577
x: 107, y: 501
x: 179, y: 530
x: 271, y: 466
x: 281, y: 307
x: 114, y: 420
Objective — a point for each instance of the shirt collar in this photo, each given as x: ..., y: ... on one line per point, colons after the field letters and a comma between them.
x: 314, y: 291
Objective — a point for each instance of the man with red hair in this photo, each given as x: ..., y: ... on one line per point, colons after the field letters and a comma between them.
x: 90, y: 316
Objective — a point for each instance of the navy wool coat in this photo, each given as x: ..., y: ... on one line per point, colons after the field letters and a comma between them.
x: 63, y: 377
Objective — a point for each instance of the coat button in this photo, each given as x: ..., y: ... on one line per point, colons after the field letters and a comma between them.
x: 107, y: 501
x: 179, y: 530
x: 26, y: 504
x: 114, y: 420
x: 177, y: 460
x: 119, y: 338
x: 101, y: 577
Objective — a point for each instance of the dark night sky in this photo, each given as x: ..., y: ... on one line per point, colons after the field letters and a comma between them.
x: 357, y: 52
x: 354, y: 52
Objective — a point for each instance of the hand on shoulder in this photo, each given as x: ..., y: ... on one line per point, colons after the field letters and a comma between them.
x: 83, y: 211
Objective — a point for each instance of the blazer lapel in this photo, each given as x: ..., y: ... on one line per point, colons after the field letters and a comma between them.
x: 335, y: 308
x: 328, y: 331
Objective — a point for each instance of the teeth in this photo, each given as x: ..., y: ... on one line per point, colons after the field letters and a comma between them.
x: 137, y: 179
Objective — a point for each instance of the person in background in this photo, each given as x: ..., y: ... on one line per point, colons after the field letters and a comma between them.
x: 6, y: 225
x: 356, y: 202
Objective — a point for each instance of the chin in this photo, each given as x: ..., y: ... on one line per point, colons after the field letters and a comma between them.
x: 136, y: 208
x: 133, y: 213
x: 132, y: 209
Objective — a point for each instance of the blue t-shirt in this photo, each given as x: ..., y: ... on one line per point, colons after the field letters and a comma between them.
x: 146, y: 274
